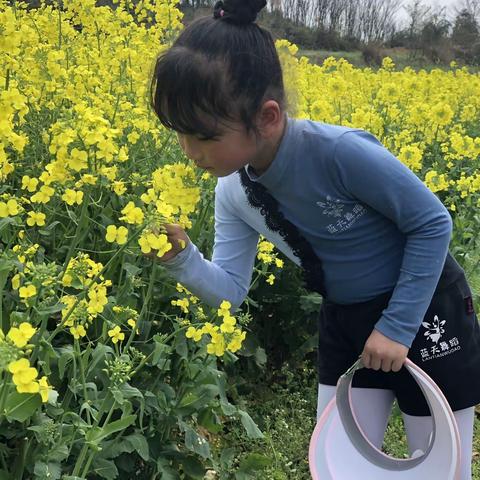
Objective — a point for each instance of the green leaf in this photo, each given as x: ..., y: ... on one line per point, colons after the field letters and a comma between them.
x: 47, y: 231
x: 5, y: 475
x: 254, y: 462
x: 181, y: 346
x: 20, y: 406
x: 96, y: 435
x: 50, y: 471
x: 49, y: 310
x: 105, y: 468
x: 250, y: 426
x: 161, y: 354
x: 193, y: 467
x: 195, y: 442
x: 260, y: 356
x: 139, y: 444
x: 208, y: 419
x: 4, y: 223
x: 167, y: 472
x: 18, y: 317
x: 250, y: 465
x: 228, y: 408
x: 65, y: 357
x: 58, y: 454
x: 98, y: 355
x: 198, y: 398
x: 131, y: 269
x: 226, y: 458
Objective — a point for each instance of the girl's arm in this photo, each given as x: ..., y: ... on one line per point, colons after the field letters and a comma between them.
x: 366, y: 170
x: 228, y: 275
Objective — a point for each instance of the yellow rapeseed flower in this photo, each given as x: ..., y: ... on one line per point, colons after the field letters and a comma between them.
x: 132, y: 214
x: 115, y: 234
x: 72, y: 196
x: 44, y: 388
x: 24, y: 376
x: 29, y: 184
x: 43, y: 195
x: 36, y: 218
x: 224, y: 309
x: 8, y: 209
x: 116, y: 334
x: 149, y: 241
x: 78, y: 331
x: 27, y: 291
x: 194, y: 333
x: 21, y: 335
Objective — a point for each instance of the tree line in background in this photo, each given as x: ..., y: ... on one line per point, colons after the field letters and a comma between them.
x: 366, y: 25
x: 369, y: 25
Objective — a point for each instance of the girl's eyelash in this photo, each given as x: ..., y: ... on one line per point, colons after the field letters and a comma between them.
x: 206, y: 139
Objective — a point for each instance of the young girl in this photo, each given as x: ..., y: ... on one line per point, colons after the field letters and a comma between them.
x: 371, y: 238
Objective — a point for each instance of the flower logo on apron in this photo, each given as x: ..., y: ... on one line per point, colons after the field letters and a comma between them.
x: 435, y: 329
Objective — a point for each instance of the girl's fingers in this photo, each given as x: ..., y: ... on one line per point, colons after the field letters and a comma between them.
x: 386, y: 364
x: 397, y: 365
x: 375, y: 362
x: 366, y: 360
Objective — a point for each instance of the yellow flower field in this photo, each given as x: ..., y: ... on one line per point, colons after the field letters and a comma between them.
x: 88, y: 178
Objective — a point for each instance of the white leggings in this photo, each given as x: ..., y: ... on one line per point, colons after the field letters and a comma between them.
x: 373, y: 407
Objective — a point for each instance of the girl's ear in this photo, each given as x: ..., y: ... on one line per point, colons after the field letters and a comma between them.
x: 270, y: 119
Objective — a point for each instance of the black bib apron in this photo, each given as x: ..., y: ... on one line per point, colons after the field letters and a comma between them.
x: 446, y: 347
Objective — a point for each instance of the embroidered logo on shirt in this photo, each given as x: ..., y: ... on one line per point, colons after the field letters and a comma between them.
x: 333, y: 207
x: 434, y: 332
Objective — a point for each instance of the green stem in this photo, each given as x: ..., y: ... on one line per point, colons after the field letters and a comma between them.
x: 92, y: 454
x: 145, y: 306
x: 82, y: 374
x: 84, y: 451
x: 4, y: 394
x: 76, y: 237
x: 4, y: 463
x: 21, y: 459
x: 80, y: 459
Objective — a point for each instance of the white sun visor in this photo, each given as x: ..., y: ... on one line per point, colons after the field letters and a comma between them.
x: 339, y: 449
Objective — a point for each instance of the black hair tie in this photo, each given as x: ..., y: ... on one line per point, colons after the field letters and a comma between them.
x: 240, y: 12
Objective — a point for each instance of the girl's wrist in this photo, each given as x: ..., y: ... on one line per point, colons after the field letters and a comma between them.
x: 180, y: 257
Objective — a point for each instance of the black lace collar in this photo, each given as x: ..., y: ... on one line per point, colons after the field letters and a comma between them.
x: 259, y: 198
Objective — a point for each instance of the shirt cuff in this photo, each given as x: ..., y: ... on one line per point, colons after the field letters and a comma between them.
x: 393, y: 332
x: 180, y: 258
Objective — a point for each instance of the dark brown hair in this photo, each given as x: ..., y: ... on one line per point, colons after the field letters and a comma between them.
x: 220, y: 68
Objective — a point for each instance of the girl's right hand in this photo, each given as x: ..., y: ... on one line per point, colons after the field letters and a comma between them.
x: 177, y: 237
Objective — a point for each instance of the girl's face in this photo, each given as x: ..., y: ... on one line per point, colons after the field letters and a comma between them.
x: 225, y: 154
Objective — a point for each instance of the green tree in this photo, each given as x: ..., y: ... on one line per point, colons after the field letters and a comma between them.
x: 466, y: 37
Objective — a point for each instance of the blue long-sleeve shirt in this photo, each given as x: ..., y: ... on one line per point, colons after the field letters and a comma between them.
x: 372, y: 222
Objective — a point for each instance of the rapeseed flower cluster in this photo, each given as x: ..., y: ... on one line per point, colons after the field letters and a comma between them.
x: 14, y: 345
x: 222, y: 338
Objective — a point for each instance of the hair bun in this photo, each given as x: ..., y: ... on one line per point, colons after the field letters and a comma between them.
x: 241, y: 12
